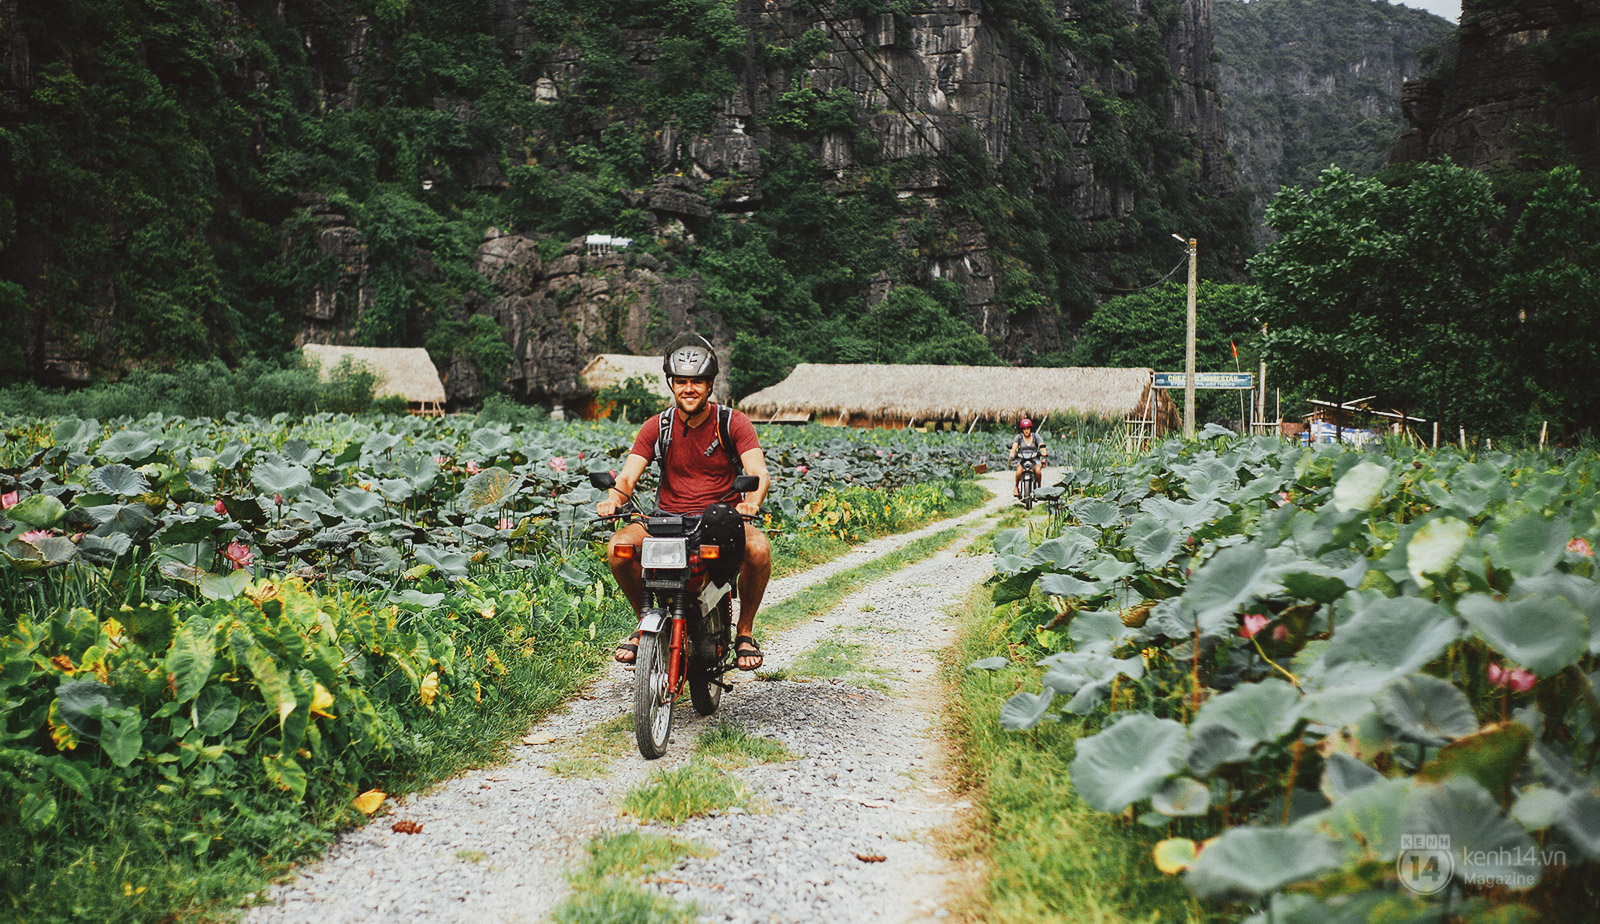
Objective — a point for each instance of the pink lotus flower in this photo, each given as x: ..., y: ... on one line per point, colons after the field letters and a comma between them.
x: 220, y: 507
x: 1517, y: 680
x: 804, y: 469
x: 277, y: 499
x: 472, y: 468
x: 1581, y: 546
x: 35, y: 536
x: 239, y: 555
x: 559, y: 463
x: 1253, y: 623
x: 442, y: 460
x: 1281, y: 634
x: 580, y: 455
x: 505, y: 523
x: 8, y: 500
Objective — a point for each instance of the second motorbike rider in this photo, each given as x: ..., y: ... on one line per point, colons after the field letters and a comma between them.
x: 697, y: 471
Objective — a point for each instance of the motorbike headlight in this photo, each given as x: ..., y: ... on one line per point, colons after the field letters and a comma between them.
x: 665, y: 553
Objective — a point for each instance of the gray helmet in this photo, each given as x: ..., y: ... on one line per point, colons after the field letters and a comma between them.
x: 692, y: 362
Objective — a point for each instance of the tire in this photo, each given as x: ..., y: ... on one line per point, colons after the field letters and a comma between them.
x: 705, y: 692
x: 1027, y: 491
x: 652, y: 702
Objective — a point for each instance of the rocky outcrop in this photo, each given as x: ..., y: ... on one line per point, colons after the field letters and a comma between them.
x: 1520, y: 76
x: 1309, y: 83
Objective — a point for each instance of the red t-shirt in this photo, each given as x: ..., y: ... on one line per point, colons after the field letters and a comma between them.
x: 698, y: 474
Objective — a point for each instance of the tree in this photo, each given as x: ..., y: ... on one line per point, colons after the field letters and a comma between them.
x: 1148, y: 328
x: 1381, y: 286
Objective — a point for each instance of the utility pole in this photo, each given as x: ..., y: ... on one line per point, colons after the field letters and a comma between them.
x: 1188, y: 346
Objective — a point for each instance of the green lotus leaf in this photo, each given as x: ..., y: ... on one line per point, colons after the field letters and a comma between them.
x: 1061, y: 553
x: 1485, y: 846
x: 130, y: 519
x: 38, y: 554
x: 38, y: 510
x: 104, y: 550
x: 1532, y: 544
x: 1434, y: 547
x: 1343, y: 774
x: 129, y: 446
x: 1065, y: 585
x: 1538, y: 808
x: 1256, y: 712
x: 1128, y: 761
x: 181, y: 530
x: 1387, y: 638
x: 420, y: 470
x: 488, y: 490
x: 1250, y: 862
x: 1233, y: 577
x: 1543, y: 634
x: 1581, y: 823
x: 118, y: 479
x: 75, y: 434
x: 283, y: 478
x: 224, y: 586
x: 1215, y: 745
x: 1024, y: 710
x: 998, y: 662
x: 1583, y: 592
x: 1365, y: 821
x: 1181, y: 516
x: 1426, y: 710
x: 122, y: 735
x: 1492, y: 756
x: 1360, y: 487
x: 200, y: 482
x: 181, y: 571
x: 1153, y: 544
x: 1092, y: 511
x: 1182, y: 797
x: 411, y: 597
x: 1359, y: 908
x: 450, y: 564
x: 358, y: 504
x: 487, y: 444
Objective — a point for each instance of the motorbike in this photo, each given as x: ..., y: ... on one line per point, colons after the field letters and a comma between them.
x: 691, y: 569
x: 1027, y: 458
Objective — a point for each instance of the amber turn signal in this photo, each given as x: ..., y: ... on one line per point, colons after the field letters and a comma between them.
x: 708, y: 552
x: 627, y: 551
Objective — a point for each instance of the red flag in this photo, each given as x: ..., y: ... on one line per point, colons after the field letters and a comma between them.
x: 1235, y: 349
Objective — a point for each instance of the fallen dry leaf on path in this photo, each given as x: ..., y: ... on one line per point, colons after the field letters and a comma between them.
x: 368, y: 802
x: 871, y: 857
x: 538, y: 739
x: 406, y: 826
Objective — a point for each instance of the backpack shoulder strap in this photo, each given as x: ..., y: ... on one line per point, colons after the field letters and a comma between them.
x: 663, y: 443
x: 725, y: 434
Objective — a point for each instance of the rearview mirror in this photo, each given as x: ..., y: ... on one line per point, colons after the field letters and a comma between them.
x: 603, y: 479
x: 746, y: 483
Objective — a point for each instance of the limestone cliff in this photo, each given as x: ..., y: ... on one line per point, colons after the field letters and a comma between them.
x: 1519, y: 86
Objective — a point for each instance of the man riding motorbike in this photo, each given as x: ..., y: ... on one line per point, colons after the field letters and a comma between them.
x: 697, y: 469
x: 1027, y: 440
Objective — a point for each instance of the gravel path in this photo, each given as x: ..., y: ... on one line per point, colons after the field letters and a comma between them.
x: 495, y: 844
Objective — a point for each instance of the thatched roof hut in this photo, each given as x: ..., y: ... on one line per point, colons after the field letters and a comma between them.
x: 403, y: 371
x: 903, y: 395
x: 609, y: 370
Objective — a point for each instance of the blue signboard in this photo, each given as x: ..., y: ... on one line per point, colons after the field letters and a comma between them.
x: 1240, y: 380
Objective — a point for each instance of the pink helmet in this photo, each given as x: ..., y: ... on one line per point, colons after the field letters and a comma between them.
x: 1026, y: 424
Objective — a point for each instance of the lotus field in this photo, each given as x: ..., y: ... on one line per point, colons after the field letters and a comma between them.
x: 226, y: 635
x: 1346, y: 684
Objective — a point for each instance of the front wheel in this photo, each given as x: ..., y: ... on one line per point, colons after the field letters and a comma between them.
x: 652, y: 697
x: 1027, y: 490
x: 705, y: 680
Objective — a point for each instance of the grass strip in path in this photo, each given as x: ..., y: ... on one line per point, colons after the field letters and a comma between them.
x: 1047, y: 856
x: 826, y: 594
x: 605, y: 890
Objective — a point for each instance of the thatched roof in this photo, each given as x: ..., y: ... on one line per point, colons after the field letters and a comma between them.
x: 950, y: 392
x: 403, y: 371
x: 610, y: 369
